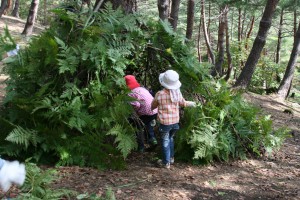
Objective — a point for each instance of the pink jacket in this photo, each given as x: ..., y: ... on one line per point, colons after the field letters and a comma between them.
x: 144, y: 99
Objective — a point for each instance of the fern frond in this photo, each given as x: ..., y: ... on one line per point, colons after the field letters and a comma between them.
x: 23, y: 136
x: 125, y: 142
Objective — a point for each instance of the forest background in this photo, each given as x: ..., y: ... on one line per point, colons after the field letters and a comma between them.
x: 211, y: 61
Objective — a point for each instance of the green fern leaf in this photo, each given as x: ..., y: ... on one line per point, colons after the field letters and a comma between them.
x: 23, y: 136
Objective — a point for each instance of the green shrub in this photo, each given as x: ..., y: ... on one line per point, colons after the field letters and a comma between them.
x: 67, y: 102
x: 38, y: 182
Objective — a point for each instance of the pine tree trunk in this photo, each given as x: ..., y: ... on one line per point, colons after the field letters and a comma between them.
x: 31, y: 18
x: 218, y: 69
x: 199, y: 41
x: 15, y: 12
x: 244, y: 79
x: 229, y: 59
x: 190, y: 18
x: 243, y: 24
x: 163, y: 9
x: 278, y: 48
x: 211, y: 60
x: 174, y: 13
x: 295, y: 23
x: 45, y: 12
x: 3, y: 7
x: 250, y: 31
x: 209, y: 49
x: 286, y: 82
x: 240, y: 25
x: 127, y: 5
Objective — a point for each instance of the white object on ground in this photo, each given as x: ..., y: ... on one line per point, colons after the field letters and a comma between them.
x: 13, y: 52
x: 11, y: 173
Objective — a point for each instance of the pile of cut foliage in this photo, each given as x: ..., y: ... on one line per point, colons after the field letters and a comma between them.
x: 67, y: 102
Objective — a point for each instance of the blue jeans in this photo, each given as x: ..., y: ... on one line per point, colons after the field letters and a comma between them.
x: 146, y: 119
x: 143, y: 128
x: 167, y: 133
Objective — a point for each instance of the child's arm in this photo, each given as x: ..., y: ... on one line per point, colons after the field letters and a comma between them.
x: 190, y: 104
x: 184, y: 103
x: 154, y: 103
x: 136, y: 104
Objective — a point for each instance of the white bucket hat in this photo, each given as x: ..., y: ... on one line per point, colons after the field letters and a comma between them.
x: 170, y: 80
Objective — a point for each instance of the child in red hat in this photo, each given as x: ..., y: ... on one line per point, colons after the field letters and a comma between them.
x: 142, y: 107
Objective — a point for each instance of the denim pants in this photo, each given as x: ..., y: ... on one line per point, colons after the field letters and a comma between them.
x: 143, y: 128
x: 167, y: 133
x: 146, y: 119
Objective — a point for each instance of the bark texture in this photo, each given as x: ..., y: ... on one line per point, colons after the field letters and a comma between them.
x: 190, y: 19
x: 31, y: 18
x: 229, y: 59
x: 163, y: 9
x: 244, y: 79
x: 174, y: 13
x: 278, y: 48
x: 286, y: 82
x: 127, y: 5
x: 250, y: 31
x: 218, y: 69
x: 15, y: 11
x: 4, y: 5
x: 199, y: 41
x: 209, y: 49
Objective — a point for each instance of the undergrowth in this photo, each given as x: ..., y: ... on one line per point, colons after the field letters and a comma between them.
x: 66, y: 100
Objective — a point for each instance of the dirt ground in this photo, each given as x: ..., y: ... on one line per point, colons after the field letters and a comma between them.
x: 276, y: 177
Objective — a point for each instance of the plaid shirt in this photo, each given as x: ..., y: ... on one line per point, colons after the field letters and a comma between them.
x: 168, y: 111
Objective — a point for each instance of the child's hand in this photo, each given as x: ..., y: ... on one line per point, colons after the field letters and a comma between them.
x: 191, y: 104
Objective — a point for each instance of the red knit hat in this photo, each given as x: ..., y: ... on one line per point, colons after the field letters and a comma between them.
x: 131, y: 82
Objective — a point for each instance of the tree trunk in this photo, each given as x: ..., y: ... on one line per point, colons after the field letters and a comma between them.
x: 127, y: 5
x: 15, y: 12
x: 244, y: 79
x: 211, y: 60
x: 174, y: 13
x: 3, y: 7
x: 45, y: 12
x: 240, y: 25
x: 278, y: 48
x: 295, y: 23
x: 190, y: 19
x: 209, y: 49
x: 31, y: 18
x: 163, y: 9
x: 229, y: 60
x: 218, y: 69
x: 250, y: 31
x: 286, y: 82
x: 243, y: 24
x: 199, y: 41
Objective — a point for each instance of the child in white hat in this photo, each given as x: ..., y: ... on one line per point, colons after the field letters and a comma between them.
x: 11, y: 173
x: 168, y: 101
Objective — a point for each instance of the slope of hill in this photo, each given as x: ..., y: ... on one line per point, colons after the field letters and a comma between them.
x: 275, y: 177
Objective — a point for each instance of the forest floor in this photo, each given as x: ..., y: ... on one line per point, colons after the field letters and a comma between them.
x: 274, y: 177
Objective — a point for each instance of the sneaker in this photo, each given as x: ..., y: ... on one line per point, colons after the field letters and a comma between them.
x: 162, y: 165
x: 172, y: 160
